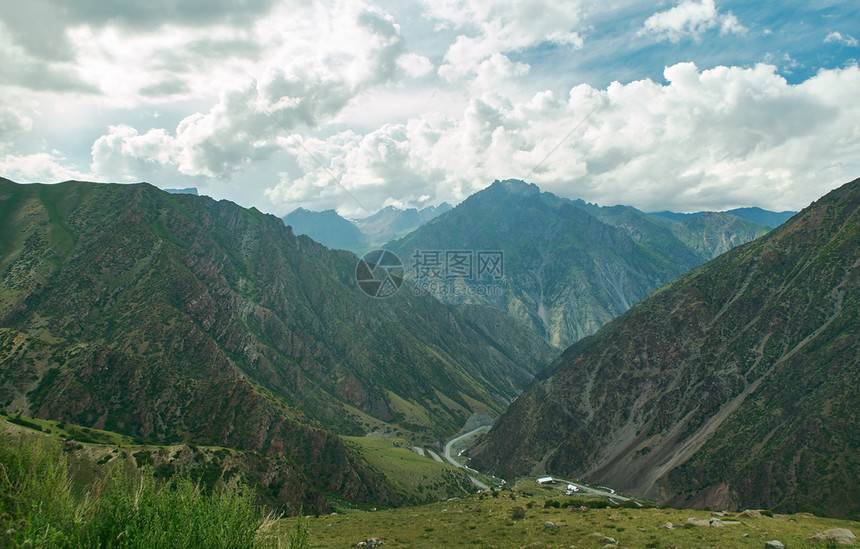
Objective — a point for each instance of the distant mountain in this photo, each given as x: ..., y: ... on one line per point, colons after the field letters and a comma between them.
x: 569, y: 267
x: 753, y: 215
x: 187, y: 190
x: 359, y: 236
x: 328, y: 228
x: 733, y: 386
x: 179, y: 319
x: 714, y: 233
x: 763, y: 217
x: 390, y: 223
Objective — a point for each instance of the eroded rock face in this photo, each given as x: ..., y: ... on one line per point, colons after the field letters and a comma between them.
x: 176, y: 318
x: 712, y: 390
x: 571, y: 267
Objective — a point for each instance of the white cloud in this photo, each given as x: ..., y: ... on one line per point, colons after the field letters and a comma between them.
x: 493, y: 28
x: 219, y: 96
x: 333, y: 53
x: 44, y: 167
x: 711, y: 139
x: 690, y: 19
x: 511, y: 25
x: 415, y: 65
x: 839, y: 38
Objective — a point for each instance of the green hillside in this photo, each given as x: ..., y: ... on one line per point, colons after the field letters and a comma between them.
x: 179, y: 319
x: 569, y: 267
x: 735, y: 385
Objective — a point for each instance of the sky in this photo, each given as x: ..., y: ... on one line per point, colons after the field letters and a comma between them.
x: 682, y: 105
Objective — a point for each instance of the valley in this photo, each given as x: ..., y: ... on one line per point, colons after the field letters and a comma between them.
x: 188, y: 336
x: 542, y: 274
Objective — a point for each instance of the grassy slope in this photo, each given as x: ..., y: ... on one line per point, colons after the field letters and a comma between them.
x: 416, y: 479
x: 226, y: 292
x: 178, y: 319
x: 483, y: 521
x: 421, y: 479
x: 772, y: 324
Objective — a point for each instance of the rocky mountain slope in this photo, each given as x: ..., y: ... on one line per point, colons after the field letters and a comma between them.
x: 734, y: 385
x: 713, y: 233
x: 175, y: 318
x: 569, y: 267
x: 327, y: 228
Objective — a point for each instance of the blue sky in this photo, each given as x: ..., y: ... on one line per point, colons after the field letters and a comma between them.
x: 683, y: 105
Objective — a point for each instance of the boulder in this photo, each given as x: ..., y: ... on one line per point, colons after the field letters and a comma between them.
x: 834, y: 535
x: 774, y: 544
x: 749, y: 513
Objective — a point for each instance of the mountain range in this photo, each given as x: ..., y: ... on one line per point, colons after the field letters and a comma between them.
x: 752, y: 214
x: 328, y: 228
x: 733, y: 385
x: 194, y: 325
x: 174, y: 318
x: 569, y: 266
x: 362, y: 234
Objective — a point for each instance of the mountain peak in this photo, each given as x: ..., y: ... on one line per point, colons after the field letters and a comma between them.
x: 676, y: 398
x: 515, y: 187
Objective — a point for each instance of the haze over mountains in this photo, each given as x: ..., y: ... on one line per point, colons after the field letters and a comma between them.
x: 570, y: 267
x: 335, y: 232
x: 753, y: 215
x: 735, y: 384
x: 175, y: 318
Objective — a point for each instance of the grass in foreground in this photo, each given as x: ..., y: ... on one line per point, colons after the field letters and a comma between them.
x: 125, y: 510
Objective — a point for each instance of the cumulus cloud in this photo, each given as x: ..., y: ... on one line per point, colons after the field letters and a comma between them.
x: 45, y: 167
x: 244, y: 96
x: 41, y: 26
x: 355, y: 48
x: 690, y: 19
x: 839, y: 38
x: 492, y: 28
x: 415, y: 65
x: 514, y: 25
x: 711, y: 139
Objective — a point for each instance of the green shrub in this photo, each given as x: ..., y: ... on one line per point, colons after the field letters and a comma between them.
x: 299, y: 535
x: 128, y: 509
